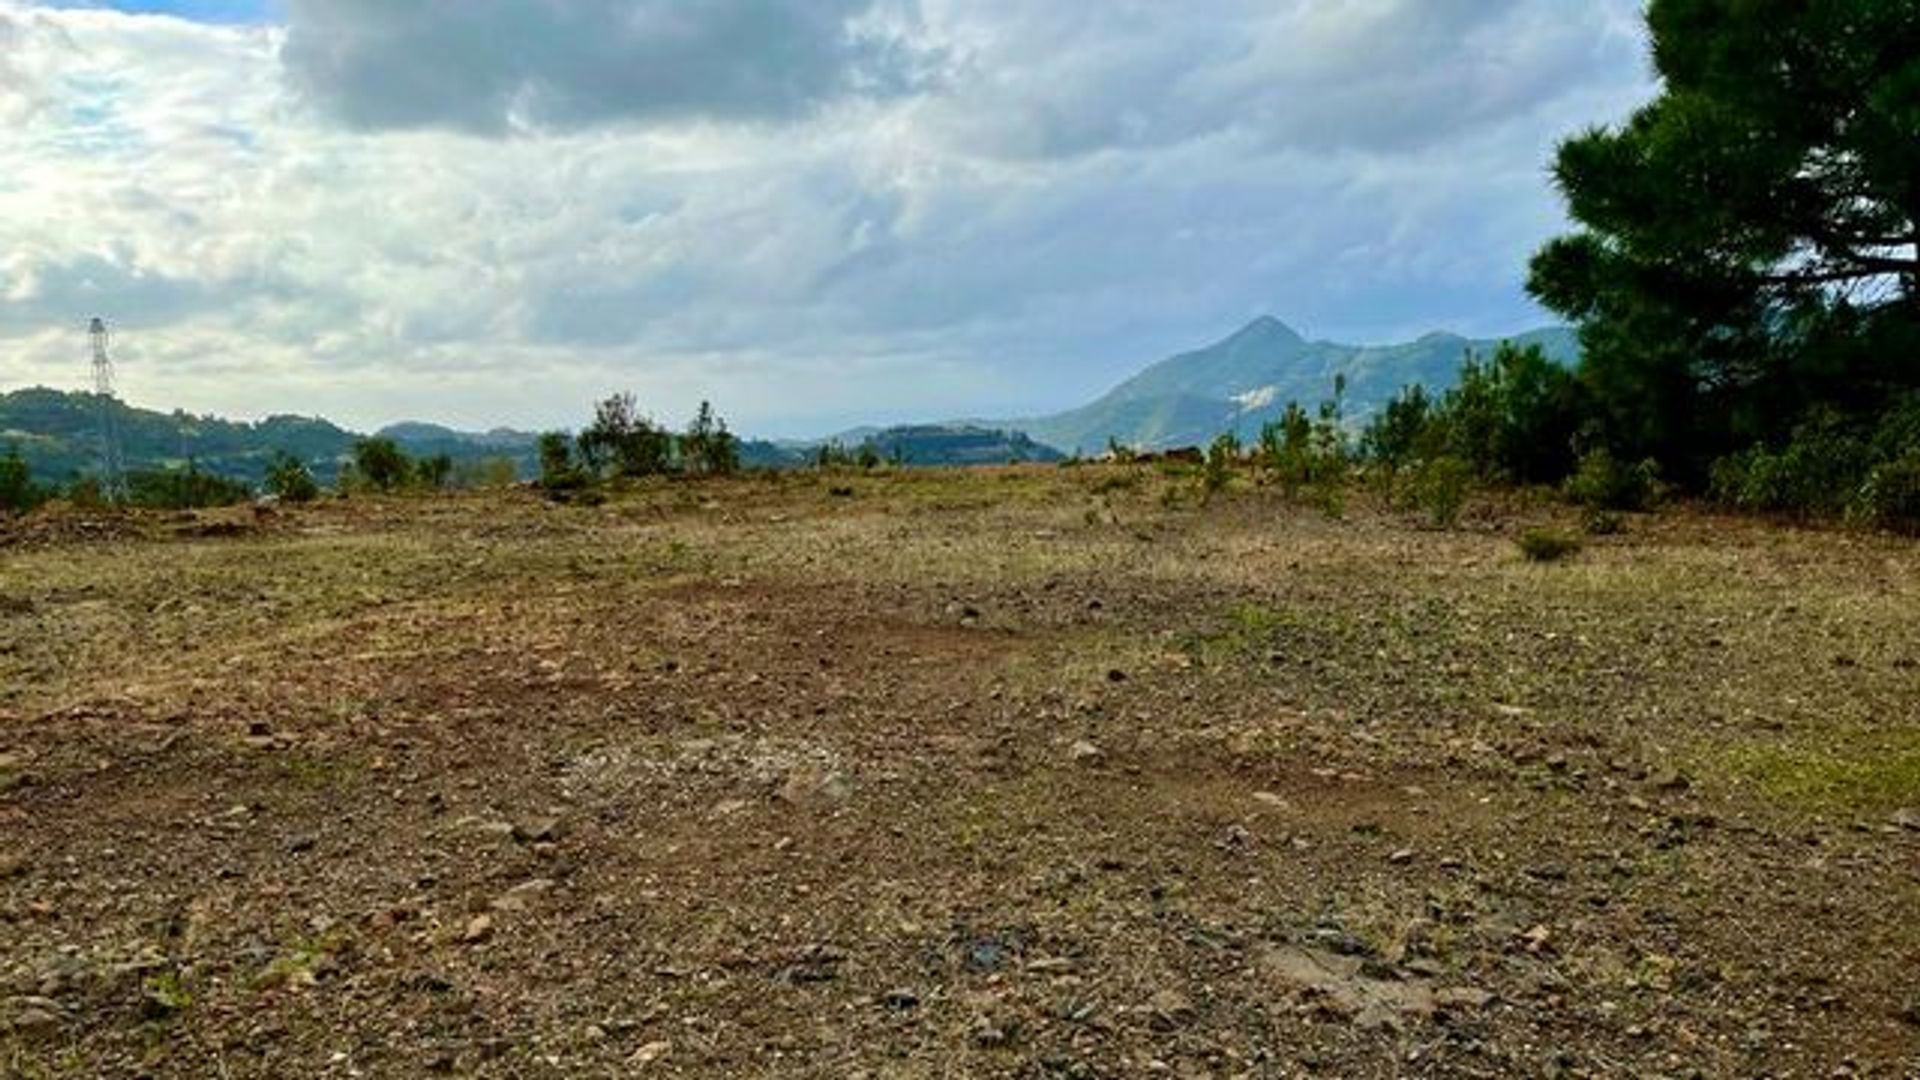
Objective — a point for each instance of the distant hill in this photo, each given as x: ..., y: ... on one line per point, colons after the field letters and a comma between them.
x: 1247, y: 380
x: 957, y: 444
x: 56, y: 432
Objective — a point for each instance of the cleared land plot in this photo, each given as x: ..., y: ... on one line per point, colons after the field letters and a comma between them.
x: 1028, y: 772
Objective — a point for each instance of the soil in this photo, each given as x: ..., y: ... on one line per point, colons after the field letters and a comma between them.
x: 1028, y: 772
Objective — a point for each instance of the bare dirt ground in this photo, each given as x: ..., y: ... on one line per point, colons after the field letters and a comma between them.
x: 1025, y: 773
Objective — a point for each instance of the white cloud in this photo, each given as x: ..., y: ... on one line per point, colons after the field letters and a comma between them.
x: 1080, y: 190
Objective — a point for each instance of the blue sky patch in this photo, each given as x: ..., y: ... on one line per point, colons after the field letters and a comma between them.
x: 213, y: 11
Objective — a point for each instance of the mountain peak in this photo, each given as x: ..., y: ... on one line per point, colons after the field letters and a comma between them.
x: 1267, y: 328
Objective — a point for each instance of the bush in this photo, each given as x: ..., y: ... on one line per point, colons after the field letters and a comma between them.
x: 184, y: 489
x: 18, y: 492
x: 1548, y: 545
x: 558, y: 472
x: 1439, y: 489
x: 1302, y: 451
x: 1603, y: 482
x: 433, y: 473
x: 623, y: 441
x: 1221, y: 456
x: 1513, y: 417
x: 1891, y: 498
x: 1603, y: 523
x: 709, y: 449
x: 289, y: 480
x: 381, y: 464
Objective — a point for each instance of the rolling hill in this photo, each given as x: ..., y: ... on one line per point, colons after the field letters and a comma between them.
x: 56, y: 432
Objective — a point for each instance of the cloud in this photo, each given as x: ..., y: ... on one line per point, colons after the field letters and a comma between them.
x: 985, y: 207
x: 1049, y: 80
x: 494, y: 66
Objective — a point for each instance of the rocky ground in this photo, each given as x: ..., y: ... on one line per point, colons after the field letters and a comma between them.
x: 1024, y: 773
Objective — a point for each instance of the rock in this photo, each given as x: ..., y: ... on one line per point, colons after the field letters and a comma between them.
x: 1401, y: 857
x: 1086, y: 753
x: 479, y: 929
x: 1670, y: 780
x: 990, y: 1035
x: 1537, y: 940
x: 1340, y: 985
x: 523, y: 896
x: 538, y: 831
x: 1905, y: 819
x: 986, y: 955
x: 1462, y: 999
x: 650, y: 1053
x: 811, y: 783
x: 35, y: 1022
x: 1170, y: 1009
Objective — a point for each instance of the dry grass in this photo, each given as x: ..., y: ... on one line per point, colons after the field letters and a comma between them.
x: 1033, y: 747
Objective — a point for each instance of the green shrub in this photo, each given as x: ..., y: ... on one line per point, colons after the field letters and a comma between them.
x: 1221, y: 457
x: 1891, y: 498
x: 381, y: 464
x: 1603, y: 522
x: 1439, y: 489
x: 183, y: 489
x: 289, y: 480
x: 622, y: 441
x: 709, y: 449
x: 558, y: 472
x: 18, y: 492
x: 1603, y: 482
x: 1548, y: 545
x: 432, y: 473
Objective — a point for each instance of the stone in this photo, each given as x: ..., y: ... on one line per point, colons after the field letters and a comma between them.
x: 538, y: 831
x: 1462, y: 999
x: 1341, y: 986
x: 1905, y: 819
x: 1170, y: 1009
x: 1401, y: 857
x: 811, y: 783
x: 1086, y: 753
x: 479, y: 929
x: 523, y: 896
x: 650, y: 1053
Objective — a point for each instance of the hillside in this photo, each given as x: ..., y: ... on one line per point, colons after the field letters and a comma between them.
x: 942, y: 445
x: 1248, y: 379
x: 56, y: 432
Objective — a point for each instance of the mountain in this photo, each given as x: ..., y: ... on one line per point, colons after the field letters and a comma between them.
x: 56, y: 432
x: 1247, y: 380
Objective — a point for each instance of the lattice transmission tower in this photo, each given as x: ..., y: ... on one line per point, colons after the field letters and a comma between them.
x: 113, y: 464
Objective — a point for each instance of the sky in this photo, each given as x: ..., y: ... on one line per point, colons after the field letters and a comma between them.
x: 815, y: 213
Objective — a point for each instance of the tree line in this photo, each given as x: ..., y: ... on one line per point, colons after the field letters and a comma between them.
x: 1745, y: 279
